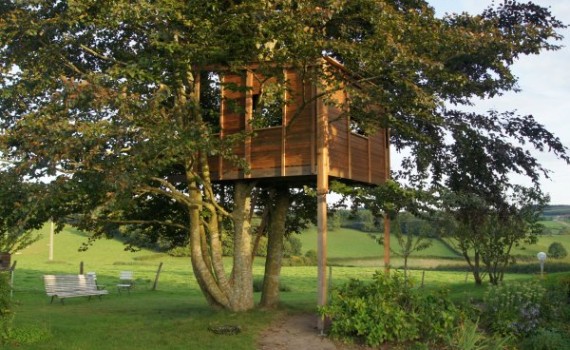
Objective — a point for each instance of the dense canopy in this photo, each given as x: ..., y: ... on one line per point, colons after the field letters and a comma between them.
x: 104, y: 95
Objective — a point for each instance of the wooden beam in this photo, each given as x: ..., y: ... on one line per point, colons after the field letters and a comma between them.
x: 386, y: 219
x: 248, y: 117
x: 284, y: 128
x: 322, y: 190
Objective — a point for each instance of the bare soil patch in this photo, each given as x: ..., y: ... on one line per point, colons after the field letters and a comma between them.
x: 298, y: 332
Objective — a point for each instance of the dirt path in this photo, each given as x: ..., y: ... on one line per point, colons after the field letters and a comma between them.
x: 298, y: 332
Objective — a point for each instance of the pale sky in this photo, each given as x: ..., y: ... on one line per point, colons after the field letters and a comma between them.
x: 545, y: 83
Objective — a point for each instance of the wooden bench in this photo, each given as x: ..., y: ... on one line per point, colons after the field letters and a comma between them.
x: 69, y: 286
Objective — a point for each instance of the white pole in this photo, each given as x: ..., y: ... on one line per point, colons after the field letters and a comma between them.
x: 51, y: 234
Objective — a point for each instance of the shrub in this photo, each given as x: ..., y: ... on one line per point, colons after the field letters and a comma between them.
x: 513, y: 309
x: 299, y: 261
x: 545, y: 339
x: 292, y: 246
x: 389, y: 310
x: 468, y: 337
x: 557, y: 251
x: 180, y: 252
x: 6, y: 308
x: 311, y: 256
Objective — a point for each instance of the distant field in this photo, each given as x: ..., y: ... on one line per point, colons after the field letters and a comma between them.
x: 556, y: 227
x: 351, y: 243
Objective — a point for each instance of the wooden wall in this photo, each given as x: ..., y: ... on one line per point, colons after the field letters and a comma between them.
x: 290, y: 150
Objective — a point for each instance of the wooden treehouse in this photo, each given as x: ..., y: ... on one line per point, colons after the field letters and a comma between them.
x: 305, y: 131
x: 303, y: 134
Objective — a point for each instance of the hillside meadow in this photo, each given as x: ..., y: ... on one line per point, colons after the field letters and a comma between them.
x: 175, y: 315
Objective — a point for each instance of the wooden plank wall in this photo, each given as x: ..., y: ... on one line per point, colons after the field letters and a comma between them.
x: 290, y: 150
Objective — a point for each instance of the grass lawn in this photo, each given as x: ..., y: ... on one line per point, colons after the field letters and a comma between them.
x: 175, y: 316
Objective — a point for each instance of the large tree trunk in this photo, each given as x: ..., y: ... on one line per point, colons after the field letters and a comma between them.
x: 206, y: 280
x: 275, y: 235
x: 241, y: 297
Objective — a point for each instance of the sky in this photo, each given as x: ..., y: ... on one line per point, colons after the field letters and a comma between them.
x: 545, y: 83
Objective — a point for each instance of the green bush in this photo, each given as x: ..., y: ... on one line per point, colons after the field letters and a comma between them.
x: 311, y: 256
x: 468, y: 337
x: 557, y: 251
x: 299, y: 261
x: 292, y: 246
x: 6, y: 308
x: 180, y: 252
x: 514, y: 308
x: 545, y: 339
x: 388, y: 309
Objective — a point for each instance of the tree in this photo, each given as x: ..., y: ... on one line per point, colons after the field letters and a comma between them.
x: 557, y: 251
x: 409, y: 212
x: 485, y: 233
x: 113, y: 88
x: 413, y: 235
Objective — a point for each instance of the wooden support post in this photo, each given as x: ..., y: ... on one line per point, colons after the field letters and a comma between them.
x: 322, y: 189
x: 81, y: 268
x: 386, y: 218
x: 51, y: 240
x: 386, y: 244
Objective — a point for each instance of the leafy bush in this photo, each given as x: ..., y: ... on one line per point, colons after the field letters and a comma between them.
x: 292, y: 246
x: 6, y: 308
x: 514, y: 309
x: 311, y: 255
x: 299, y: 261
x: 468, y: 337
x: 180, y: 252
x: 545, y: 339
x: 557, y: 251
x: 389, y: 310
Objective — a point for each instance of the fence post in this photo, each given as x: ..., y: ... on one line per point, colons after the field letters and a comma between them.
x: 156, y: 277
x: 81, y: 268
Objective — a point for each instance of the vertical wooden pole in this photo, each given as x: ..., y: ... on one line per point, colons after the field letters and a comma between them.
x: 156, y: 277
x: 386, y: 244
x: 322, y: 189
x: 51, y: 240
x: 386, y: 218
x: 248, y: 117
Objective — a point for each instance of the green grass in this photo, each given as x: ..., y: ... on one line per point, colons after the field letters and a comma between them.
x: 176, y: 316
x: 556, y: 227
x: 351, y: 243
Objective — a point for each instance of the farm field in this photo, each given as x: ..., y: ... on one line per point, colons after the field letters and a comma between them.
x: 175, y: 315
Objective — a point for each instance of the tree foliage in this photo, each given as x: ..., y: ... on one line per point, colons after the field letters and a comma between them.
x: 20, y: 212
x: 106, y: 95
x: 557, y: 251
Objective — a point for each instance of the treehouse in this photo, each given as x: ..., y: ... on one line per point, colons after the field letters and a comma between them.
x: 288, y: 126
x: 294, y: 129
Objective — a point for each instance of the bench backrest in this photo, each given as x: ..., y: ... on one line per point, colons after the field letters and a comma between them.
x: 66, y: 283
